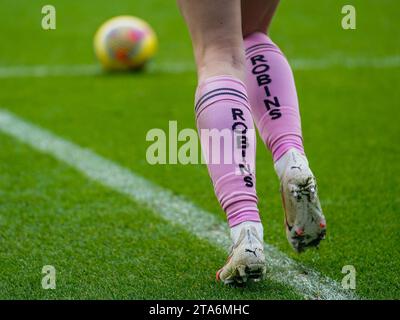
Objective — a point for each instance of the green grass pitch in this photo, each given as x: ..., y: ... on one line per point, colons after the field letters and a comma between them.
x: 105, y: 246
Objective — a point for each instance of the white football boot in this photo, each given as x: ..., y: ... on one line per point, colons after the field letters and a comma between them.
x: 246, y: 260
x: 304, y: 220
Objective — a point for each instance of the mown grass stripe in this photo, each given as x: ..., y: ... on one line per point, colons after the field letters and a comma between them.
x: 43, y: 71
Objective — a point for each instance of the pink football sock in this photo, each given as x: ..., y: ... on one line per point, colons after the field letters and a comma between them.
x: 272, y: 95
x: 222, y: 104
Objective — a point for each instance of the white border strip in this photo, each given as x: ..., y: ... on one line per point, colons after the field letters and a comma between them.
x: 176, y: 210
x: 42, y: 71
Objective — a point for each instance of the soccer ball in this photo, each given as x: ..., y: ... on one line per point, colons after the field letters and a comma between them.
x: 124, y: 43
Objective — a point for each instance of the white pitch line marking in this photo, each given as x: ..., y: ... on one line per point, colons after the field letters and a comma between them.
x: 42, y: 71
x: 307, y: 282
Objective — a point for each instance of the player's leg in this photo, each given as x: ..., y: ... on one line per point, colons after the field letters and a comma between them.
x: 274, y: 103
x: 221, y: 106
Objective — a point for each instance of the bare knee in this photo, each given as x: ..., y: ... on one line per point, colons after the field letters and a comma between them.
x: 215, y: 29
x: 257, y: 15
